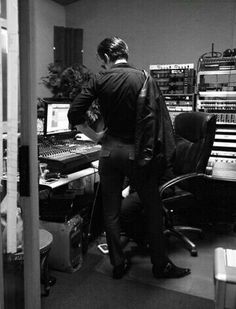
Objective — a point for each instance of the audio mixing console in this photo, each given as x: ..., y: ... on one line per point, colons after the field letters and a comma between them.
x: 68, y: 155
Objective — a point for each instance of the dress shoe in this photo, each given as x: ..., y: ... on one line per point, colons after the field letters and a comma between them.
x: 120, y: 270
x: 169, y: 271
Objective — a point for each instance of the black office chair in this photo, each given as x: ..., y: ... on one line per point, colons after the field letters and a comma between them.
x: 194, y: 132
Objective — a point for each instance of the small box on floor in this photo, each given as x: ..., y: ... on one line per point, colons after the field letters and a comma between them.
x: 225, y: 278
x: 66, y: 252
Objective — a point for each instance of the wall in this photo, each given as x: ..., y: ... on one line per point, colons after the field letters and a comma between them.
x: 157, y: 31
x: 47, y: 15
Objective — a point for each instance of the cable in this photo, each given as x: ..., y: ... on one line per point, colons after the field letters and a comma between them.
x: 93, y: 210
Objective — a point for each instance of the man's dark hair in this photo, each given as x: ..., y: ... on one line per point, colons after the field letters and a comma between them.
x: 114, y: 47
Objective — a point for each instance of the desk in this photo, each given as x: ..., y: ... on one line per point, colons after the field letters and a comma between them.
x: 65, y: 201
x: 72, y: 177
x: 223, y: 171
x: 218, y: 195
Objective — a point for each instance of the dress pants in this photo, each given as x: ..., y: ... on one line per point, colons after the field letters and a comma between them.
x: 117, y: 162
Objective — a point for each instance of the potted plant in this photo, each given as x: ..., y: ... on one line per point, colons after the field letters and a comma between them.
x: 66, y: 84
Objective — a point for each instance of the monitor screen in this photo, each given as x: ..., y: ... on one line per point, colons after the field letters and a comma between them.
x: 56, y: 118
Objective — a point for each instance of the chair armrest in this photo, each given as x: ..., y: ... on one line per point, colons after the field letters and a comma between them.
x: 177, y: 180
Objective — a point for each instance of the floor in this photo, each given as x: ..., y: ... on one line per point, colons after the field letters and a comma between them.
x: 198, y: 284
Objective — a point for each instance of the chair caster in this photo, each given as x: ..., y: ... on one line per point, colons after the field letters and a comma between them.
x: 193, y: 252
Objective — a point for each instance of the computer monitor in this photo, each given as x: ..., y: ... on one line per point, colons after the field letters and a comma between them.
x: 56, y: 121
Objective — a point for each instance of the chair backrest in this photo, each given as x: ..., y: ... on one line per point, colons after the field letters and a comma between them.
x: 195, y: 133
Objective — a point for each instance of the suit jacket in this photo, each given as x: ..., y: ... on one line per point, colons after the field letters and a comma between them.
x: 154, y: 135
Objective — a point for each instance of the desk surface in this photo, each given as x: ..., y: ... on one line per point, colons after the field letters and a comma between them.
x: 223, y: 171
x: 71, y: 177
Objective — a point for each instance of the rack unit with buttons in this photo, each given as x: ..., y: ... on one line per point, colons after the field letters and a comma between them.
x: 177, y: 84
x: 216, y: 93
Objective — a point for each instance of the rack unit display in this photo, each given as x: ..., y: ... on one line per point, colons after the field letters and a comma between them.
x: 177, y: 84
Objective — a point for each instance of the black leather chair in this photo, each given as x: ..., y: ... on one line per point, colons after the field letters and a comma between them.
x: 194, y: 132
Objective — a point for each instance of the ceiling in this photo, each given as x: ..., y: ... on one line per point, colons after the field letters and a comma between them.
x: 65, y: 2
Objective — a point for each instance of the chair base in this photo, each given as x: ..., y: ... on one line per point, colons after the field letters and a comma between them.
x: 176, y: 231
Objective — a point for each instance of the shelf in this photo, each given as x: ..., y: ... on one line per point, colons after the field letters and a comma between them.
x: 221, y: 101
x: 217, y: 72
x: 178, y: 94
x: 221, y: 153
x: 225, y: 123
x: 228, y: 137
x: 220, y: 130
x: 224, y: 144
x: 217, y: 94
x: 157, y: 67
x: 178, y: 108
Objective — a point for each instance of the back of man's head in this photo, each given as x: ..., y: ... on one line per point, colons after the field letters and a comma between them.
x: 114, y: 47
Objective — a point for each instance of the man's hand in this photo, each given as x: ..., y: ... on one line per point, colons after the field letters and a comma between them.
x: 89, y: 132
x: 100, y: 135
x: 125, y: 192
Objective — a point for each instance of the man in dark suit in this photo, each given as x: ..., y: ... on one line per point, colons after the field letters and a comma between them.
x: 118, y: 89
